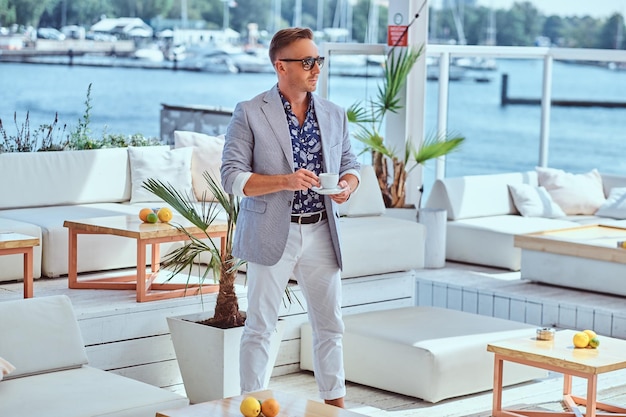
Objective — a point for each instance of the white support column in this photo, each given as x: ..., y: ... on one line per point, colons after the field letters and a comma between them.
x: 546, y: 103
x: 408, y: 123
x: 442, y: 117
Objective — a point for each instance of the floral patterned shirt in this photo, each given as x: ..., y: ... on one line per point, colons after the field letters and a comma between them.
x: 306, y: 143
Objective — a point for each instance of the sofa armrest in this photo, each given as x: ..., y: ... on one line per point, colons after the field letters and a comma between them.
x: 478, y: 195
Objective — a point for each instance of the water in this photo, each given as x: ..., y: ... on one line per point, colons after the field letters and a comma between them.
x: 499, y: 139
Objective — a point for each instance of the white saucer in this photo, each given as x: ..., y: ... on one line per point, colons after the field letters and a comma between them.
x: 329, y: 191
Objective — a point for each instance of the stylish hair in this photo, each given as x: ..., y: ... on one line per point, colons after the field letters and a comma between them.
x: 286, y: 37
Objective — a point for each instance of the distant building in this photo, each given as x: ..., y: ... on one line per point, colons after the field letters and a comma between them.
x: 206, y: 37
x: 123, y: 27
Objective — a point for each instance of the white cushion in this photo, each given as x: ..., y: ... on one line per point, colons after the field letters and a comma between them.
x: 83, y: 392
x: 68, y: 177
x: 367, y: 200
x: 207, y: 156
x: 489, y: 240
x: 533, y: 201
x: 39, y: 335
x: 615, y: 205
x: 5, y: 368
x: 574, y: 193
x: 171, y: 166
x: 429, y: 353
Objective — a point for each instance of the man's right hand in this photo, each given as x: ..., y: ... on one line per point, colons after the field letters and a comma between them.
x: 301, y: 180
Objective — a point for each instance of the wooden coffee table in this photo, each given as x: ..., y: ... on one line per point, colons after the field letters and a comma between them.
x: 290, y: 406
x: 16, y: 243
x: 145, y: 234
x: 559, y: 355
x: 582, y: 257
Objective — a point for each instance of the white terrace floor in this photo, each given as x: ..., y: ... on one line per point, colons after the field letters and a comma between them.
x: 464, y: 287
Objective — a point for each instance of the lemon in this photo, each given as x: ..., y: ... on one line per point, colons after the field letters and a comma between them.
x: 590, y: 333
x: 152, y: 218
x: 270, y: 407
x: 594, y: 342
x: 164, y: 214
x: 250, y: 407
x: 581, y: 340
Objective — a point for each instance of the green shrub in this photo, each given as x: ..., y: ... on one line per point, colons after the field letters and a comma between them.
x: 54, y: 138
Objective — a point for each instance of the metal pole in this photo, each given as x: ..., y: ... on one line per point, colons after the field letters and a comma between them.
x: 546, y: 103
x: 442, y: 116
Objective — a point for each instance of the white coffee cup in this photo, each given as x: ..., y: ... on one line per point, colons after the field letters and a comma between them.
x: 329, y: 180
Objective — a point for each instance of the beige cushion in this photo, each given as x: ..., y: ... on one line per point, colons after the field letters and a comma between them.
x: 5, y: 368
x: 367, y: 200
x: 171, y: 166
x: 615, y: 205
x: 207, y: 156
x: 533, y: 201
x: 574, y: 193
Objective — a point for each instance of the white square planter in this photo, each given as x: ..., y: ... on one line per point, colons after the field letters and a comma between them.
x: 208, y: 357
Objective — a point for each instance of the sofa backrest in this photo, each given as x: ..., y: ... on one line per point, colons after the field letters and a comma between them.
x: 34, y: 179
x: 40, y: 335
x: 477, y: 195
x: 610, y: 181
x: 367, y: 200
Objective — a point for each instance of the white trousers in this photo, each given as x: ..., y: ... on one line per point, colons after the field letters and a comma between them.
x: 310, y: 258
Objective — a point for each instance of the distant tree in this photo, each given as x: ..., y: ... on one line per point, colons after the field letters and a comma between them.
x: 476, y: 25
x: 143, y: 9
x: 28, y: 12
x: 611, y: 33
x: 582, y: 32
x: 554, y: 28
x: 7, y: 13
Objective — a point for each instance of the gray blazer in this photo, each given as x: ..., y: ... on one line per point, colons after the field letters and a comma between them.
x: 258, y: 141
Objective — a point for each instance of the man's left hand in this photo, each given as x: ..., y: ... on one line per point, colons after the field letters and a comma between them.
x: 343, y: 196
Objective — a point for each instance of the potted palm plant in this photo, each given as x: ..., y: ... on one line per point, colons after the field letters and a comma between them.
x: 369, y: 118
x: 207, y: 344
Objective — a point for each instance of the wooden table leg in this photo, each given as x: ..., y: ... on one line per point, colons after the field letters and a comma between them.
x: 72, y: 274
x: 141, y: 271
x: 592, y: 389
x: 497, y: 385
x: 28, y: 272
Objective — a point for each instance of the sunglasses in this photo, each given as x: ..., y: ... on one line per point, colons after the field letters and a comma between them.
x: 307, y: 63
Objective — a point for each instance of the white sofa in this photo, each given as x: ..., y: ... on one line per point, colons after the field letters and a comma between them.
x: 41, y: 339
x: 483, y: 216
x: 47, y: 188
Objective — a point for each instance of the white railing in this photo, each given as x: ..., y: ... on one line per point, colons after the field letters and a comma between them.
x: 445, y: 53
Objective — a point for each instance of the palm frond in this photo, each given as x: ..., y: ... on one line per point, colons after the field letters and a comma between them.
x: 399, y: 65
x: 183, y: 204
x: 437, y: 146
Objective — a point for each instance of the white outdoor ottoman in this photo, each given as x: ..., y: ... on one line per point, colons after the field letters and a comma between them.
x: 425, y: 352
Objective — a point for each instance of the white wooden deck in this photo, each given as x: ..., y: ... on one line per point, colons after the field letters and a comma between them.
x: 132, y: 339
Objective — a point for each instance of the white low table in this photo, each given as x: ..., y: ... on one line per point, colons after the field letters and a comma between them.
x: 585, y: 257
x: 425, y: 352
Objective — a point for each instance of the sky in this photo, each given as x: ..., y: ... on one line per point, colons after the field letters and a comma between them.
x: 594, y: 8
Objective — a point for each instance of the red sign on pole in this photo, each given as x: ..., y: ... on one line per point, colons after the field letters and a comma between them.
x: 397, y: 35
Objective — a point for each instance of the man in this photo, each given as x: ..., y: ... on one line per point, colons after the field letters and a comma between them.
x: 276, y: 146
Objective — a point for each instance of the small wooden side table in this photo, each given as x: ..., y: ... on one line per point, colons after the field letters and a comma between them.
x: 290, y: 406
x: 16, y: 243
x: 144, y: 234
x: 559, y: 355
